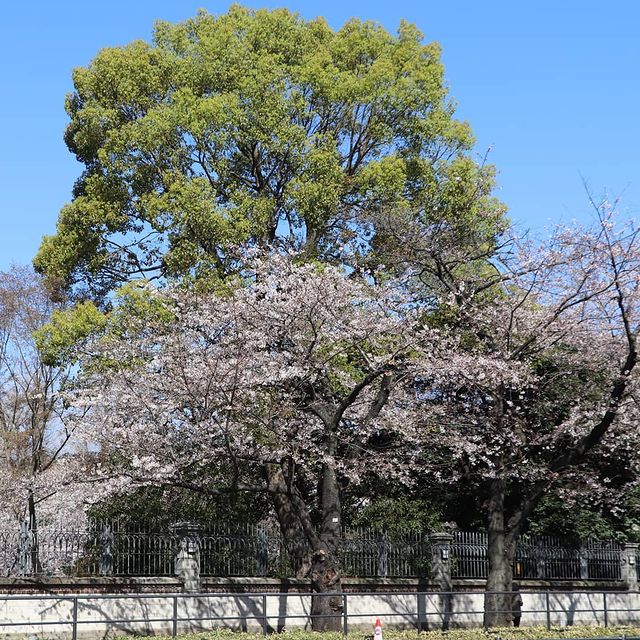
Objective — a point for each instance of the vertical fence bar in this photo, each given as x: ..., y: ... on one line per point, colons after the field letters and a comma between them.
x: 174, y: 619
x: 265, y: 619
x: 605, y: 611
x: 345, y: 616
x: 74, y: 625
x: 548, y: 611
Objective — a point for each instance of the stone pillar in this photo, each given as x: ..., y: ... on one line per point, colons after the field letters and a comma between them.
x: 187, y: 563
x: 25, y: 550
x: 583, y: 556
x: 106, y: 550
x: 441, y: 560
x: 441, y: 573
x: 628, y: 569
x: 382, y: 564
x: 262, y: 552
x: 541, y: 560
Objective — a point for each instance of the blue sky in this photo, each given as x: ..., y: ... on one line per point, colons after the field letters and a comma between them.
x: 551, y: 87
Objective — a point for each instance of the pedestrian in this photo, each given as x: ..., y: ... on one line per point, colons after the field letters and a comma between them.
x: 516, y: 604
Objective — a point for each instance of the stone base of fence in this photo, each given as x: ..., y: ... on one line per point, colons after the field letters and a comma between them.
x: 118, y: 585
x: 88, y: 585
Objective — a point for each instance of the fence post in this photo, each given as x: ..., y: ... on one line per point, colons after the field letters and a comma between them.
x: 345, y: 615
x: 548, y: 611
x: 628, y: 567
x: 187, y: 564
x: 422, y: 620
x: 265, y: 619
x: 106, y: 550
x: 74, y: 624
x: 174, y: 618
x: 441, y: 572
x: 383, y: 548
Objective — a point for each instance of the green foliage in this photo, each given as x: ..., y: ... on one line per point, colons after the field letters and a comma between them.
x: 397, y: 515
x: 576, y: 523
x: 252, y: 127
x: 59, y: 338
x: 167, y: 505
x: 631, y: 522
x: 553, y: 517
x: 137, y: 307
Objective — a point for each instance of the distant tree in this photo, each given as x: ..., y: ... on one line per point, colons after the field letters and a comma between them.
x: 34, y: 435
x: 257, y: 128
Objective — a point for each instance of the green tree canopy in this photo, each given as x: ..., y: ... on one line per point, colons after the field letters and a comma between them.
x: 256, y: 128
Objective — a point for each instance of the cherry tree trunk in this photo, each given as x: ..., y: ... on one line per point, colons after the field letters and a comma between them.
x: 500, y: 556
x: 315, y: 552
x: 326, y: 603
x: 325, y: 570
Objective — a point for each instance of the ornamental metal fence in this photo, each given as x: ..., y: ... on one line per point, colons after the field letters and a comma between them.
x: 252, y: 550
x: 540, y: 557
x: 258, y: 550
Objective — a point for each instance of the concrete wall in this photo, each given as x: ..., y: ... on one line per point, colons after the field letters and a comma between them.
x: 100, y: 616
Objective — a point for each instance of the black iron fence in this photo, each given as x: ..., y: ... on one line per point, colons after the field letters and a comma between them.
x: 260, y: 551
x: 113, y: 548
x: 542, y: 557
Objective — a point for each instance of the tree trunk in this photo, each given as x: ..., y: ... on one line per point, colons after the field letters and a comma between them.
x: 326, y: 602
x: 500, y: 555
x: 291, y: 528
x: 33, y: 527
x: 326, y: 610
x: 315, y: 555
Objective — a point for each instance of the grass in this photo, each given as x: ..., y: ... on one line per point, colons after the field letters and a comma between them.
x: 506, y: 633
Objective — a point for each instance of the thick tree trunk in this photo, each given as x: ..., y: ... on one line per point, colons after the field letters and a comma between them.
x: 326, y: 603
x: 500, y: 555
x: 321, y: 550
x: 291, y: 527
x: 325, y: 570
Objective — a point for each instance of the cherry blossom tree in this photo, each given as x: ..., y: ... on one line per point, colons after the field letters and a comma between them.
x: 289, y: 386
x: 508, y: 366
x: 553, y: 331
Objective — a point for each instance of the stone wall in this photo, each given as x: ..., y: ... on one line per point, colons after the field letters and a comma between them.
x: 67, y: 615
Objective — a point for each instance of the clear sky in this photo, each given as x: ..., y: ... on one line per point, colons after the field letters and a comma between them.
x: 551, y: 87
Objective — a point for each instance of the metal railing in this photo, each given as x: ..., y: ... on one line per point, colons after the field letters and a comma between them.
x: 143, y: 549
x: 111, y: 548
x: 252, y: 550
x: 180, y: 613
x: 540, y: 557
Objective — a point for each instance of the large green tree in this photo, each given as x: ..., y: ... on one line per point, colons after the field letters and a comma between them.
x: 256, y: 128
